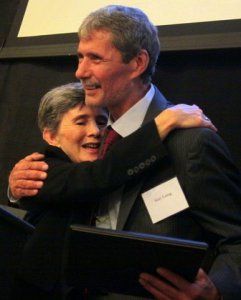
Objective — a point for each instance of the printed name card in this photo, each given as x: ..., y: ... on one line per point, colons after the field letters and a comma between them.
x: 165, y: 200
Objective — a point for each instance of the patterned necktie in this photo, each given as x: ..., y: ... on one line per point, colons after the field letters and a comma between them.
x: 110, y: 138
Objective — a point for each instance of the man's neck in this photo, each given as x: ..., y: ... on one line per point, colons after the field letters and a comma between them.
x: 137, y: 95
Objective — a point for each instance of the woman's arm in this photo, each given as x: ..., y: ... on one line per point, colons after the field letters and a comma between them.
x: 127, y: 159
x: 28, y: 175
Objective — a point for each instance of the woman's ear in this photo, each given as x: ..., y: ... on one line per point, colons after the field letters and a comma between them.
x: 50, y: 137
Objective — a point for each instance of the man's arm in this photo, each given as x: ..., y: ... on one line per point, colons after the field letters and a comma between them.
x: 28, y: 175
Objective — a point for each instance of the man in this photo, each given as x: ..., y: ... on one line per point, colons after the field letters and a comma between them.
x: 118, y: 50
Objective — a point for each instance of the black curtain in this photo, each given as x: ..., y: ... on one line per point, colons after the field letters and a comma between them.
x: 211, y: 79
x: 22, y: 84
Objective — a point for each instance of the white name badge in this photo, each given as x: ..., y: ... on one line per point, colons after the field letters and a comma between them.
x: 165, y: 200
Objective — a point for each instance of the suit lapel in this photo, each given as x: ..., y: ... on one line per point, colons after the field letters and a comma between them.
x: 127, y: 202
x: 158, y: 104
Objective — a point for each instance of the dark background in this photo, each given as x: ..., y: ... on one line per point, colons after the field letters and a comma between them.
x: 208, y: 78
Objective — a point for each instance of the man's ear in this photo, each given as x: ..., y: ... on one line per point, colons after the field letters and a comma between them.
x: 140, y: 62
x: 50, y: 137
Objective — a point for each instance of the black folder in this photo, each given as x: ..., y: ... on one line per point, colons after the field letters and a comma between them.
x: 110, y: 261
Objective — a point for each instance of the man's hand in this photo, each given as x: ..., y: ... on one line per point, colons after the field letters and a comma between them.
x: 201, y: 289
x: 181, y: 116
x: 27, y: 176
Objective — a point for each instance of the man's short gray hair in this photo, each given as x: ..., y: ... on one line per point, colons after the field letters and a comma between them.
x: 131, y: 32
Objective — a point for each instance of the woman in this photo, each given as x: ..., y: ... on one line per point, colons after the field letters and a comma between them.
x: 73, y: 133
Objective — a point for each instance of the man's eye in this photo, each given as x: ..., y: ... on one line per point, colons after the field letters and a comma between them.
x: 79, y: 58
x: 96, y: 58
x: 101, y: 125
x: 101, y: 122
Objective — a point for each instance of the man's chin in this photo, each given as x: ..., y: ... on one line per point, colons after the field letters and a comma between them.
x: 92, y: 100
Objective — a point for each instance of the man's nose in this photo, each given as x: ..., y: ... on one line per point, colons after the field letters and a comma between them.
x: 83, y: 69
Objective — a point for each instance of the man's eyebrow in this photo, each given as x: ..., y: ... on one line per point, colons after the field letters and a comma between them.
x: 89, y: 54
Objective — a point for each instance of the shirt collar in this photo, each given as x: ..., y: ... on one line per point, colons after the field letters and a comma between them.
x: 133, y: 118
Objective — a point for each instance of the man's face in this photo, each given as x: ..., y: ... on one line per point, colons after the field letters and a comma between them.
x: 106, y: 79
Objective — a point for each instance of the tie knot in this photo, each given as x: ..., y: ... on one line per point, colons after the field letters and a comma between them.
x: 110, y: 138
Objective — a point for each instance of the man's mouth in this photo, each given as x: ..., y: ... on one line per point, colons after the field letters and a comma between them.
x: 91, y: 86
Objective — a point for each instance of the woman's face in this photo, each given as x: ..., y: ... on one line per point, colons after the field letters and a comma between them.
x: 79, y: 133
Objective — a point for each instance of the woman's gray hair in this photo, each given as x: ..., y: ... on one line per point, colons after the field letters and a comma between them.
x: 131, y: 31
x: 55, y: 103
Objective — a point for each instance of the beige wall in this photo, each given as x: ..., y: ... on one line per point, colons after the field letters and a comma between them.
x: 60, y: 16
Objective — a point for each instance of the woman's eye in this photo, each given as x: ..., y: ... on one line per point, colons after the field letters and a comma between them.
x: 80, y: 123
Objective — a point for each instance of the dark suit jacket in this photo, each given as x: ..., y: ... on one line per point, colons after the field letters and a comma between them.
x: 69, y: 194
x: 211, y: 182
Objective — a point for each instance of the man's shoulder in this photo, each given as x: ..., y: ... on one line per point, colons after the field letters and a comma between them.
x: 196, y: 134
x: 200, y: 130
x: 192, y: 139
x: 198, y: 145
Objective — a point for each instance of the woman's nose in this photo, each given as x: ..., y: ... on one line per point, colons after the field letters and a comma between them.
x: 94, y: 129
